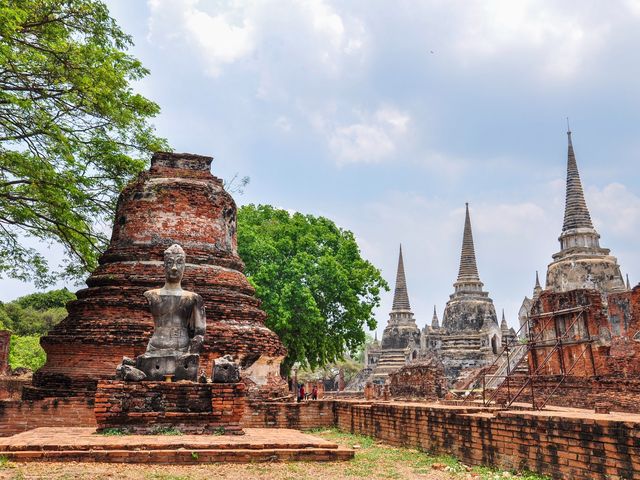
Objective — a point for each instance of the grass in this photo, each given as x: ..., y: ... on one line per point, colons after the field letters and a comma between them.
x: 373, y: 460
x: 376, y: 460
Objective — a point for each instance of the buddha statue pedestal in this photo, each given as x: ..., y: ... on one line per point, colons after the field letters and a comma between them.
x: 150, y: 408
x: 158, y: 391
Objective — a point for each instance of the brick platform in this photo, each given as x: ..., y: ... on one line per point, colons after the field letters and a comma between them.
x: 84, y: 445
x: 146, y: 407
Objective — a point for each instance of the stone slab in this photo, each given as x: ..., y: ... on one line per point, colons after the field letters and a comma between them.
x: 85, y: 445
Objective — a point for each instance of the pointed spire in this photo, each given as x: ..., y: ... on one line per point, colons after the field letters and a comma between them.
x: 375, y: 339
x: 503, y: 324
x: 628, y: 284
x: 435, y: 323
x: 576, y: 213
x: 537, y: 289
x: 468, y: 267
x: 400, y: 296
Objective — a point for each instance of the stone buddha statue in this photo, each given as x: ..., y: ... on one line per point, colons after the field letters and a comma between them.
x: 179, y: 328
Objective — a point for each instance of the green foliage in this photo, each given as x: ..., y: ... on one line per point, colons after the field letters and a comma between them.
x: 167, y: 431
x: 46, y: 300
x: 35, y: 314
x: 113, y: 432
x: 26, y: 352
x: 72, y: 131
x: 316, y: 289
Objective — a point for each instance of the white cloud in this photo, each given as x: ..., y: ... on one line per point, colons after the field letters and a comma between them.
x: 554, y: 38
x: 283, y: 124
x: 615, y: 209
x: 372, y: 139
x: 307, y: 31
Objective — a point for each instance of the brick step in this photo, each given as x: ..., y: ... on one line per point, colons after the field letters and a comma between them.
x: 183, y: 456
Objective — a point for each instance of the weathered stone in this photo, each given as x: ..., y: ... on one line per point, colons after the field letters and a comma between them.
x: 470, y: 336
x: 180, y: 321
x: 130, y: 374
x: 225, y: 370
x: 581, y: 262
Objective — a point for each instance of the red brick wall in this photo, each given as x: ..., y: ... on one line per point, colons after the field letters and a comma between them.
x: 189, y: 407
x: 5, y: 338
x: 575, y: 445
x: 548, y: 443
x: 19, y: 416
x: 613, y: 393
x: 614, y: 351
x: 303, y: 415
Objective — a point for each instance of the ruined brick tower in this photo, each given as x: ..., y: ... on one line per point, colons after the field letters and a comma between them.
x: 581, y: 262
x: 176, y: 201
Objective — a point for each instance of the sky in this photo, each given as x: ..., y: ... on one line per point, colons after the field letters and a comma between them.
x: 387, y: 117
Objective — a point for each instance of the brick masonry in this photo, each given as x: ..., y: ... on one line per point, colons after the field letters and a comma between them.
x: 19, y: 416
x: 563, y: 444
x: 146, y: 407
x: 176, y: 201
x: 5, y: 339
x: 424, y: 379
x: 600, y: 353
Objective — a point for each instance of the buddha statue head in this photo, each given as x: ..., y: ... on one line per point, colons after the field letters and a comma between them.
x: 174, y: 260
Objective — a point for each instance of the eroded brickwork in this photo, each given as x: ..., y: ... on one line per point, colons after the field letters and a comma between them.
x: 146, y: 407
x: 176, y: 201
x: 424, y: 379
x: 19, y: 416
x: 5, y: 339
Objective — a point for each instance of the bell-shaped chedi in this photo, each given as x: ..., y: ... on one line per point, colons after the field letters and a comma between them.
x: 581, y: 262
x: 176, y: 201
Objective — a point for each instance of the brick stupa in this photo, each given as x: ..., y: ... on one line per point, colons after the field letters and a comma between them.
x: 177, y: 200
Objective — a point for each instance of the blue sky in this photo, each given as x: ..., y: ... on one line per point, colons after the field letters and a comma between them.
x: 388, y: 116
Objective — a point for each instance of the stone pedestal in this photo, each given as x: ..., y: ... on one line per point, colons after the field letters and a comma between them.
x: 151, y: 407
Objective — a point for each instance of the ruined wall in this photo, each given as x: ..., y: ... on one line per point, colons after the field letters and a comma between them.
x: 614, y: 328
x: 609, y: 393
x: 5, y: 339
x: 424, y: 379
x: 18, y: 415
x: 576, y: 445
x: 303, y: 416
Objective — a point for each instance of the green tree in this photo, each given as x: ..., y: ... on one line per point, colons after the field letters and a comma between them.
x: 46, y: 300
x: 316, y: 289
x: 72, y: 130
x: 26, y: 352
x: 37, y: 313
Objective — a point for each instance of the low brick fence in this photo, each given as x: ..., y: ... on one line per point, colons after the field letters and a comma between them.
x: 563, y: 444
x: 21, y: 415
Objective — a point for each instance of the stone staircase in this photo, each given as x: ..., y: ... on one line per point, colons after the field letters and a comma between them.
x: 514, y: 366
x: 390, y: 361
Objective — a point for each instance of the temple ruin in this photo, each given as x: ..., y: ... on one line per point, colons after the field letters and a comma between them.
x: 177, y: 200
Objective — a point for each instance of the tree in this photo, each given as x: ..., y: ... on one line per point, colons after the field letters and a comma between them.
x: 316, y: 289
x: 35, y: 314
x: 46, y: 300
x: 72, y: 131
x: 26, y: 352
